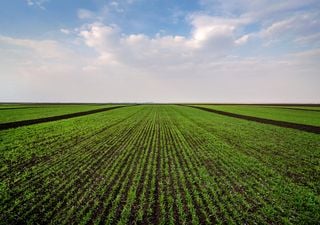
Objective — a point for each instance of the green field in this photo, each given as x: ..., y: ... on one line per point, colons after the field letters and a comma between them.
x: 160, y: 164
x: 280, y: 113
x: 313, y: 108
x: 11, y: 113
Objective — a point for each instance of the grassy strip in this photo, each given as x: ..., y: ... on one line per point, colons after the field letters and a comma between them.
x: 36, y: 111
x: 5, y: 126
x: 277, y: 113
x: 302, y: 127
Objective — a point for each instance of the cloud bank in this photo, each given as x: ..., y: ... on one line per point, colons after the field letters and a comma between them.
x: 237, y: 51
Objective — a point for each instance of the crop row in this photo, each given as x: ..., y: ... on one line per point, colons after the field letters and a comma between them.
x: 293, y: 154
x: 155, y: 165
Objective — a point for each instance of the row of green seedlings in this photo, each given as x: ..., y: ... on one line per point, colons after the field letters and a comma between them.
x: 171, y: 196
x: 230, y: 191
x: 192, y: 206
x: 261, y: 186
x: 113, y: 182
x: 29, y: 174
x: 113, y: 197
x: 286, y: 151
x: 154, y: 188
x: 47, y: 138
x: 43, y: 140
x: 148, y: 146
x: 41, y: 188
x: 91, y: 177
x: 37, y: 176
x: 65, y: 163
x: 109, y: 166
x: 87, y: 173
x: 138, y: 209
x: 185, y: 203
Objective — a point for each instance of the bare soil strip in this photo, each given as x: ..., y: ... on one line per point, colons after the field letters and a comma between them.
x: 302, y: 127
x: 5, y: 126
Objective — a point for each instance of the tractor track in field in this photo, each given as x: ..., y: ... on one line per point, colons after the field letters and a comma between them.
x: 296, y: 126
x: 5, y: 126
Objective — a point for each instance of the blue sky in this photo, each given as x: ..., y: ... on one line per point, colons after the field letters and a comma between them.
x: 34, y: 17
x: 161, y: 51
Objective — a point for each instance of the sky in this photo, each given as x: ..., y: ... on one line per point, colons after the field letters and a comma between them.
x: 219, y: 51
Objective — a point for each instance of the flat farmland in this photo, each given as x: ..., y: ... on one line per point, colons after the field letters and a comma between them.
x: 20, y: 112
x: 161, y: 164
x: 300, y: 115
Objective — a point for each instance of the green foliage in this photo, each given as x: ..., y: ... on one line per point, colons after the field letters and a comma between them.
x: 28, y: 112
x: 158, y: 165
x: 305, y: 115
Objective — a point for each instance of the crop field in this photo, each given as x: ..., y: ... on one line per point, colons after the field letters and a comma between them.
x: 27, y: 112
x: 309, y: 116
x: 160, y: 164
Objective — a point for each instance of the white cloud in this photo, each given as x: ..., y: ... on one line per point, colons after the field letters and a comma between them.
x: 116, y: 7
x: 38, y: 3
x: 256, y: 9
x: 45, y: 49
x: 210, y: 38
x: 85, y: 14
x: 298, y: 25
x: 215, y: 33
x: 242, y: 40
x: 274, y: 21
x: 65, y: 31
x: 184, y: 78
x: 313, y: 39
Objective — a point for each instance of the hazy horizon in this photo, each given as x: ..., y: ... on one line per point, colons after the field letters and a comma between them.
x: 137, y: 51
